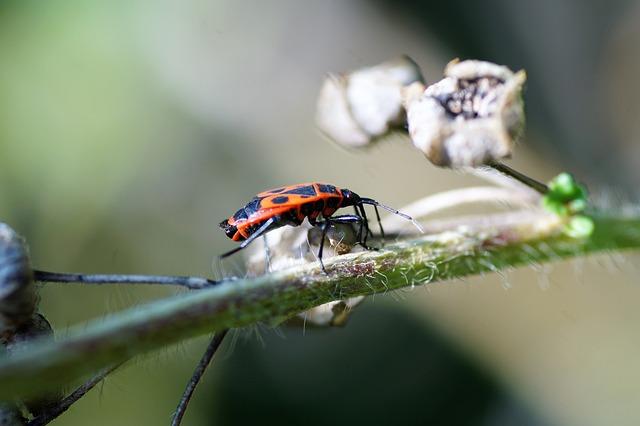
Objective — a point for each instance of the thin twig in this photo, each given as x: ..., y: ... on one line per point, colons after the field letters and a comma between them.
x: 193, y: 283
x: 53, y: 412
x: 197, y: 375
x: 499, y: 179
x: 503, y: 168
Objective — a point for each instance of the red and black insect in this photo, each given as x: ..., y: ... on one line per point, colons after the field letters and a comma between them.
x: 290, y: 205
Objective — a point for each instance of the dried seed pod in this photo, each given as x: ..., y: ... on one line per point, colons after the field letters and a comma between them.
x: 354, y: 109
x: 470, y: 118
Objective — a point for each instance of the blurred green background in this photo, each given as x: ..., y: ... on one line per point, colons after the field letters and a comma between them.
x: 129, y: 129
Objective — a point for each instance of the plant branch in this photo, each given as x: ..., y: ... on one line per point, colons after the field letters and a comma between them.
x: 54, y: 412
x: 530, y: 182
x: 492, y: 245
x: 197, y: 375
x: 194, y: 283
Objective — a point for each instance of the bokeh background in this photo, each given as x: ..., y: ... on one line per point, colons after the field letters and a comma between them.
x: 129, y: 129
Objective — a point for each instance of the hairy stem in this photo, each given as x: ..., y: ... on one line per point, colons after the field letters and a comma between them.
x: 491, y: 244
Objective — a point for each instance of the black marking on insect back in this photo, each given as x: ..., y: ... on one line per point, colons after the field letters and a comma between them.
x: 280, y: 199
x: 240, y: 215
x: 302, y: 190
x: 252, y: 207
x: 327, y: 189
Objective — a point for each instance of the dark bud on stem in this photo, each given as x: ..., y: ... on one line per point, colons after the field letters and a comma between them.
x: 19, y: 321
x: 17, y: 292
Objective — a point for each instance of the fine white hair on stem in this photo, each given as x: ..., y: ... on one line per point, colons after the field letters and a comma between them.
x: 445, y: 200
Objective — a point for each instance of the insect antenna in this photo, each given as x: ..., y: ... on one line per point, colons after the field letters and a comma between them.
x: 392, y: 210
x: 375, y: 207
x: 364, y: 224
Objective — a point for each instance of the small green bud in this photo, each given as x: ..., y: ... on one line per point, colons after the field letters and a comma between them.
x: 577, y: 206
x: 563, y: 186
x: 565, y: 196
x: 579, y: 227
x: 554, y: 206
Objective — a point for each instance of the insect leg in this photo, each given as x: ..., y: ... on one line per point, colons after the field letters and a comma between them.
x: 367, y: 219
x: 355, y: 219
x: 368, y: 232
x: 375, y: 207
x: 347, y: 218
x: 325, y: 227
x: 361, y: 228
x: 263, y: 228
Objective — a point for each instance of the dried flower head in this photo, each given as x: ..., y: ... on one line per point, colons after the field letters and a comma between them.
x: 470, y: 118
x: 354, y: 109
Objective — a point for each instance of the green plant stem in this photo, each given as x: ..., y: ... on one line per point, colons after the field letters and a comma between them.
x: 489, y: 246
